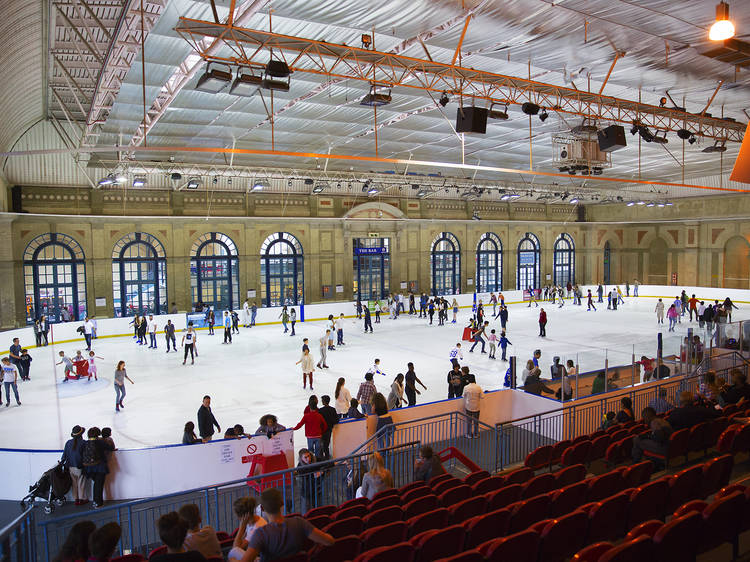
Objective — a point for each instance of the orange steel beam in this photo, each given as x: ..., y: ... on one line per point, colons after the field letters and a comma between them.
x: 350, y: 157
x: 249, y: 48
x: 609, y: 72
x: 461, y: 40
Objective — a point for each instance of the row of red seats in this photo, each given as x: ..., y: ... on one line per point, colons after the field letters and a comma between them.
x: 606, y: 505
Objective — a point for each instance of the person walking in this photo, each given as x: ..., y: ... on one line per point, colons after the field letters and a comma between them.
x: 10, y: 380
x: 189, y: 339
x: 342, y: 397
x: 253, y: 314
x: 396, y: 395
x: 323, y: 350
x: 368, y: 319
x: 672, y: 316
x: 365, y: 393
x: 293, y: 319
x: 152, y: 332
x: 307, y: 368
x: 227, y: 322
x: 472, y: 399
x: 339, y: 323
x: 410, y: 387
x: 120, y: 375
x: 284, y: 318
x: 169, y: 335
x: 72, y: 460
x: 591, y: 302
x: 207, y: 420
x: 542, y: 323
x: 88, y: 331
x: 659, y: 312
x: 211, y: 320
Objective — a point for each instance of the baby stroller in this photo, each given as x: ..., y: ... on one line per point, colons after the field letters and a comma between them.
x: 52, y: 486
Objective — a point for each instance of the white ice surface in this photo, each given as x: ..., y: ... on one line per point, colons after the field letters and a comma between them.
x: 256, y: 374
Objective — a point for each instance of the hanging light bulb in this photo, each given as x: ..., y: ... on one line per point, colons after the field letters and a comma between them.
x: 722, y: 28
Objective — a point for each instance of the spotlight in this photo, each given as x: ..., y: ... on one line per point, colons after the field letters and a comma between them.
x: 366, y: 41
x: 213, y: 80
x: 289, y: 183
x: 139, y: 181
x: 277, y: 69
x: 319, y: 188
x: 514, y: 196
x: 258, y: 185
x: 684, y: 134
x: 573, y: 201
x: 543, y: 115
x: 504, y: 197
x: 176, y: 176
x: 641, y: 202
x: 475, y: 216
x: 692, y: 139
x: 193, y: 183
x: 422, y: 193
x: 646, y: 135
x: 530, y: 108
x: 630, y: 203
x: 661, y: 139
x: 121, y: 178
x: 668, y: 204
x: 564, y: 196
x: 662, y: 102
x: 634, y: 129
x: 722, y: 28
x: 650, y: 204
x: 215, y: 180
x: 374, y: 190
x: 375, y: 99
x: 498, y: 114
x: 718, y: 146
x: 444, y: 99
x: 563, y: 169
x: 597, y: 171
x: 246, y: 85
x: 660, y: 205
x: 107, y: 180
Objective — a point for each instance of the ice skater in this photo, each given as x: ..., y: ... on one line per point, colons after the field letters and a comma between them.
x: 120, y: 375
x: 600, y: 292
x: 323, y: 350
x: 377, y: 311
x: 492, y: 339
x: 504, y: 343
x: 142, y: 327
x: 672, y: 316
x: 455, y: 311
x: 227, y: 321
x: 253, y: 314
x: 478, y: 333
x: 92, y: 365
x: 10, y: 381
x: 210, y: 320
x: 493, y: 302
x: 542, y: 323
x: 375, y: 369
x: 152, y: 332
x: 678, y: 307
x: 24, y: 364
x: 331, y: 325
x: 532, y: 297
x: 236, y: 322
x: 455, y: 353
x: 503, y: 316
x: 169, y: 335
x: 284, y: 318
x: 431, y: 310
x: 189, y: 339
x: 368, y: 320
x: 659, y: 312
x: 340, y: 329
x: 560, y: 293
x: 246, y: 314
x: 293, y: 319
x: 620, y: 300
x: 307, y: 362
x: 358, y: 306
x: 69, y: 372
x: 591, y: 302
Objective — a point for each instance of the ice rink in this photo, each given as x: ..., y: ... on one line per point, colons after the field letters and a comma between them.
x: 257, y: 374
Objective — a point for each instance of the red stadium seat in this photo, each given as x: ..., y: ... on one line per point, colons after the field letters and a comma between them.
x: 721, y: 522
x: 474, y: 477
x: 684, y: 486
x: 386, y: 501
x: 527, y: 512
x: 319, y: 521
x: 563, y: 537
x: 519, y: 476
x: 488, y: 485
x: 677, y: 447
x: 438, y: 543
x: 603, y: 486
x: 648, y: 502
x: 576, y: 454
x: 638, y: 474
x: 557, y: 451
x: 539, y: 457
x: 467, y: 509
x: 383, y: 516
x: 598, y: 448
x: 434, y: 519
x: 468, y: 556
x: 678, y: 540
x: 383, y: 494
x: 539, y: 485
x: 345, y: 527
x: 445, y: 485
x: 323, y: 510
x: 592, y: 552
x: 403, y: 552
x: 415, y: 493
x: 716, y: 473
x: 607, y: 518
x: 454, y: 495
x: 636, y: 550
x: 519, y: 547
x: 384, y: 535
x: 568, y: 499
x: 504, y: 496
x: 483, y: 528
x: 359, y: 510
x: 345, y: 548
x: 570, y: 475
x: 419, y: 506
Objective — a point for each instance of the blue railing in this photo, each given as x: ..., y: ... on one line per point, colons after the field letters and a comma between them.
x: 328, y: 482
x: 17, y: 539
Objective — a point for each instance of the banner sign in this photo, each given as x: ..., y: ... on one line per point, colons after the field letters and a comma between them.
x: 367, y: 251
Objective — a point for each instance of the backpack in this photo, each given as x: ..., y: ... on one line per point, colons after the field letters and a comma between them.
x: 90, y: 453
x: 456, y: 379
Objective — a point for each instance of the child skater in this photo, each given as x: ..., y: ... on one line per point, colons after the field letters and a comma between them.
x: 308, y: 366
x: 189, y: 340
x: 455, y: 311
x: 493, y: 344
x: 70, y: 372
x: 24, y: 364
x: 92, y: 365
x: 504, y: 342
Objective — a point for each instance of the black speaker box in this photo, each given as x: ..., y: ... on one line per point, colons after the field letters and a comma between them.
x: 612, y: 138
x: 471, y: 120
x: 15, y: 199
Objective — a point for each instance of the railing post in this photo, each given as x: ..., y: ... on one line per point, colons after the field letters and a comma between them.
x: 216, y: 501
x: 130, y: 529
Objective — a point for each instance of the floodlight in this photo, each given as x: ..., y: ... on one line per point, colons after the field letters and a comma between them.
x: 213, y: 80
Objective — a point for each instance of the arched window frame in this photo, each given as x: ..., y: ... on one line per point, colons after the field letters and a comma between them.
x: 292, y: 258
x: 607, y: 263
x: 122, y: 265
x: 226, y: 263
x: 489, y: 263
x: 564, y: 260
x: 41, y: 272
x: 445, y: 262
x: 522, y: 281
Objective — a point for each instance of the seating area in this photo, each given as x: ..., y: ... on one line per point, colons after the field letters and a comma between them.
x: 522, y: 515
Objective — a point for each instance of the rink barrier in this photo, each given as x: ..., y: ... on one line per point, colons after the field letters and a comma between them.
x: 138, y: 518
x: 17, y: 538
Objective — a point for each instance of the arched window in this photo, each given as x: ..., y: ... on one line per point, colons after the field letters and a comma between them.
x: 607, y: 262
x: 489, y: 263
x: 564, y: 260
x: 55, y: 277
x: 527, y: 273
x: 446, y: 264
x: 139, y: 275
x: 214, y: 271
x: 282, y: 278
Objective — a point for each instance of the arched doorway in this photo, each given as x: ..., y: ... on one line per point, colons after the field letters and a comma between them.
x: 737, y: 263
x: 657, y: 262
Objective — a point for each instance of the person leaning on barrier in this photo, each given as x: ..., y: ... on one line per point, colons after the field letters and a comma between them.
x: 535, y: 385
x: 427, y: 464
x: 282, y: 536
x: 269, y: 426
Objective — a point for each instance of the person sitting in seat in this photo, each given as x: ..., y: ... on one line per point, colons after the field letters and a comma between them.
x: 535, y: 385
x: 202, y: 539
x: 689, y: 413
x: 739, y: 390
x: 172, y: 531
x: 658, y: 439
x: 282, y: 536
x: 660, y: 404
x: 625, y: 414
x: 427, y: 465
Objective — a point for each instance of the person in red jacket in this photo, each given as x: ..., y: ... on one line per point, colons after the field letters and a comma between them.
x: 315, y: 426
x: 542, y: 323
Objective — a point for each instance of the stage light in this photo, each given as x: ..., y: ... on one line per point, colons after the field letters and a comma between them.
x: 646, y: 135
x: 564, y: 153
x: 530, y: 108
x: 660, y: 205
x: 692, y: 139
x: 319, y: 188
x: 543, y: 115
x: 475, y: 216
x: 139, y: 181
x: 107, y: 180
x: 213, y: 81
x: 277, y: 69
x: 374, y: 190
x: 514, y: 196
x: 661, y: 139
x: 630, y: 203
x: 121, y: 178
x: 650, y: 204
x: 668, y: 203
x: 375, y: 99
x: 641, y: 202
x: 193, y: 183
x: 662, y: 102
x: 573, y: 201
x: 366, y: 40
x: 444, y: 99
x: 176, y: 176
x: 684, y: 134
x: 722, y: 28
x: 634, y: 129
x: 504, y: 197
x: 718, y: 146
x: 258, y: 185
x: 246, y: 85
x: 501, y: 115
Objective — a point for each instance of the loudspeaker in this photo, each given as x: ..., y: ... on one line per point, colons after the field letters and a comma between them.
x: 15, y: 199
x: 471, y: 120
x: 612, y: 138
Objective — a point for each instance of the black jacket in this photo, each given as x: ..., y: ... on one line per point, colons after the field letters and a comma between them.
x: 534, y: 385
x: 330, y: 416
x: 206, y: 422
x: 688, y: 416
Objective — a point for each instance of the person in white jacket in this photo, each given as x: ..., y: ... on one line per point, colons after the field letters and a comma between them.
x: 472, y: 398
x: 343, y: 398
x: 308, y: 366
x: 659, y: 312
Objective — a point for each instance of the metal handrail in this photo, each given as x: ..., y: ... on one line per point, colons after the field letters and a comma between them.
x: 13, y: 524
x: 18, y: 536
